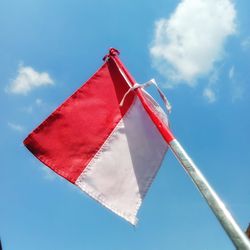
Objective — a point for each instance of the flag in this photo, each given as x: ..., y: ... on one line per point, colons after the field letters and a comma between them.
x: 109, y: 146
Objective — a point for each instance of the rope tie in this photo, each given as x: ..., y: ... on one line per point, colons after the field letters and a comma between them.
x: 144, y: 85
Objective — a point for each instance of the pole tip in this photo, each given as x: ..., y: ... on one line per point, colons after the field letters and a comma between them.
x: 112, y: 52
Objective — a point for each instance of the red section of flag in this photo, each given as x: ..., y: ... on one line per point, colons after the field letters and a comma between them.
x: 69, y: 138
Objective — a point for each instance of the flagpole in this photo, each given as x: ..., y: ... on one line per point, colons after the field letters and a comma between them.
x: 233, y: 230
x: 227, y: 221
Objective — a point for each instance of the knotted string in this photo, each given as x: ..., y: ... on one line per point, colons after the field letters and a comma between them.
x: 144, y: 85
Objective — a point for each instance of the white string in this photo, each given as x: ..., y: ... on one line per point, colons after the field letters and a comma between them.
x: 144, y: 85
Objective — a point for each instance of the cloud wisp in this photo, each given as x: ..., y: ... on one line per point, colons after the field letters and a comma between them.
x: 48, y: 174
x: 189, y: 43
x: 16, y: 127
x: 28, y: 79
x: 231, y: 73
x: 237, y: 85
x: 209, y: 95
x: 38, y: 104
x: 245, y: 44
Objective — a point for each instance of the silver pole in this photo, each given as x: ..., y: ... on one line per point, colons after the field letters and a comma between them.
x: 233, y: 230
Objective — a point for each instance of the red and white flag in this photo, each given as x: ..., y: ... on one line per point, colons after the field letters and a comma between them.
x: 106, y: 139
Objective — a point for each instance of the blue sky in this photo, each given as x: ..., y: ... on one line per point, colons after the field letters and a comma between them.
x: 198, y: 52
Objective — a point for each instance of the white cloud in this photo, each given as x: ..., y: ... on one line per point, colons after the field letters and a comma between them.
x: 209, y: 94
x: 187, y: 45
x: 27, y: 79
x: 16, y: 127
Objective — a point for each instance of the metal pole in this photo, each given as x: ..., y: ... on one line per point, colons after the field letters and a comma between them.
x: 234, y: 232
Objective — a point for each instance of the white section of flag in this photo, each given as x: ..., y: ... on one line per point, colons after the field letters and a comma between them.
x: 121, y: 172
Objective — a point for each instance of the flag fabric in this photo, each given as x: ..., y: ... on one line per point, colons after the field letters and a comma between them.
x: 110, y: 151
